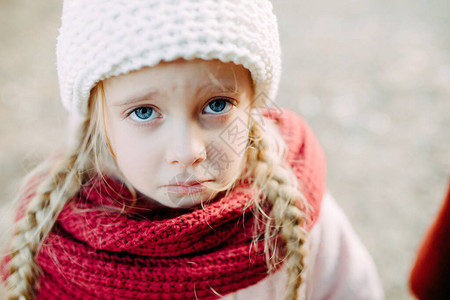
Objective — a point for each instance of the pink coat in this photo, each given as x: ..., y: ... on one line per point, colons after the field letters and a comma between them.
x: 340, y: 267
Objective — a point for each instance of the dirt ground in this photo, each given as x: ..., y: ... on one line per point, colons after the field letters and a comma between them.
x: 372, y: 77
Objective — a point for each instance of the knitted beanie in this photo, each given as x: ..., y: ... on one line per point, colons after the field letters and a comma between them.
x: 99, y: 39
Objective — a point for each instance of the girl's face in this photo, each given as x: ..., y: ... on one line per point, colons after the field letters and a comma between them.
x: 179, y: 130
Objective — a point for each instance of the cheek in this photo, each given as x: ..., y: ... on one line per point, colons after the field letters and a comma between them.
x: 226, y: 150
x: 228, y: 166
x: 235, y: 135
x: 136, y: 157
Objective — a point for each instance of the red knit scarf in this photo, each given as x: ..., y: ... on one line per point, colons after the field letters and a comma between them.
x: 93, y: 253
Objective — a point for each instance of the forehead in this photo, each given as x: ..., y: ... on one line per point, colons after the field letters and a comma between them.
x: 179, y: 74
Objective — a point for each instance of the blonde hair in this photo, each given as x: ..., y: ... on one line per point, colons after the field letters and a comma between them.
x: 62, y: 182
x: 266, y: 169
x: 278, y: 187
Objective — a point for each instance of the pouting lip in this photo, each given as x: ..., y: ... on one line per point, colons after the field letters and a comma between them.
x: 186, y: 179
x: 188, y: 183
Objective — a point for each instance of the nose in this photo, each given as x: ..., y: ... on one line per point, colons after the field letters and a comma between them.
x: 186, y: 146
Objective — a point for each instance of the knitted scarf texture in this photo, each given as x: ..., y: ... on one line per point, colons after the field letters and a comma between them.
x: 95, y: 253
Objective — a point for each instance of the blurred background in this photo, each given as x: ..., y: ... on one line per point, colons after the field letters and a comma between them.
x: 372, y: 77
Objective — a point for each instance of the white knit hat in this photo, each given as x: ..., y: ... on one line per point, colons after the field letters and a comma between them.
x: 99, y: 39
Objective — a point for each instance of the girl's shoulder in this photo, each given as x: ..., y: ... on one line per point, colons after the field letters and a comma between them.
x: 338, y: 264
x: 338, y: 261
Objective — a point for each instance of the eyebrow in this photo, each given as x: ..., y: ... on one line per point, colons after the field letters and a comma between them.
x: 137, y: 98
x: 218, y: 87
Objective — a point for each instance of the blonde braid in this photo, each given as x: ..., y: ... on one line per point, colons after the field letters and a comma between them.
x: 61, y: 185
x: 278, y: 185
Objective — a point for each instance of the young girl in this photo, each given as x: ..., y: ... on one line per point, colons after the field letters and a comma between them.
x: 182, y: 178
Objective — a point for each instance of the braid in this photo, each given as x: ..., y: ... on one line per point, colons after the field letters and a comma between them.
x: 278, y: 185
x: 58, y: 187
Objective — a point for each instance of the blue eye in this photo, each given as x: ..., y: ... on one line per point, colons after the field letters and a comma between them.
x: 218, y: 106
x: 142, y: 114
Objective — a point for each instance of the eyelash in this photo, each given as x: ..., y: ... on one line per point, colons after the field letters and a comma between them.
x: 227, y: 100
x: 134, y: 110
x: 130, y: 113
